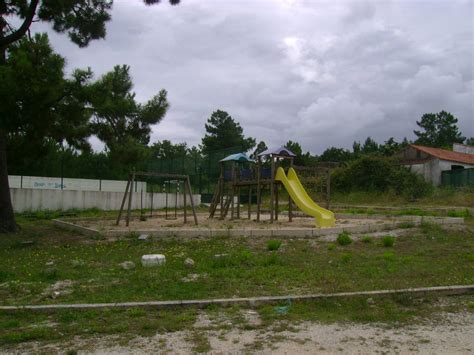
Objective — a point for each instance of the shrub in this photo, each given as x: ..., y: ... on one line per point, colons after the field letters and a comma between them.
x: 344, y: 239
x: 366, y: 239
x: 273, y: 245
x: 378, y: 173
x: 388, y: 241
x: 331, y: 246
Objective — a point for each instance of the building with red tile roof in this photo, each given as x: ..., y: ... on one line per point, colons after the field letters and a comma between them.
x: 430, y: 162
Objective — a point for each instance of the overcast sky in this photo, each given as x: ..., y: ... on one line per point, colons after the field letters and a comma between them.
x: 322, y: 73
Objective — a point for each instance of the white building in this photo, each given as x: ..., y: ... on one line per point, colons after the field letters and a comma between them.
x: 430, y: 162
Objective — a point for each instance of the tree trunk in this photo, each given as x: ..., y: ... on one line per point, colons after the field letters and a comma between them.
x: 7, y: 217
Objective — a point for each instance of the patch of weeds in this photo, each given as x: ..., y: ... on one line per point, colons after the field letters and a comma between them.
x: 406, y: 225
x: 31, y: 334
x: 273, y: 245
x: 131, y: 235
x: 200, y: 342
x: 272, y: 259
x: 432, y: 230
x: 388, y: 241
x: 470, y: 257
x: 344, y: 238
x: 97, y: 236
x: 67, y: 316
x: 346, y: 257
x: 9, y: 323
x: 367, y: 239
x: 49, y: 274
x: 388, y: 256
x: 331, y: 246
x: 136, y: 312
x: 465, y: 213
x: 5, y: 275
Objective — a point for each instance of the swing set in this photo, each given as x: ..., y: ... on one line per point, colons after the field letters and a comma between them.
x: 172, y: 180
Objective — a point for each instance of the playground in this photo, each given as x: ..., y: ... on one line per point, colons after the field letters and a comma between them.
x: 252, y: 198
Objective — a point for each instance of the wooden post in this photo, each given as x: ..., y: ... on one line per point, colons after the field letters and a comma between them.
x: 185, y: 187
x: 250, y: 202
x: 191, y: 199
x: 238, y: 202
x: 123, y: 200
x: 151, y: 204
x: 328, y: 189
x: 276, y: 201
x: 130, y: 198
x: 272, y: 186
x: 221, y: 184
x: 259, y: 163
x: 290, y: 209
x: 232, y: 175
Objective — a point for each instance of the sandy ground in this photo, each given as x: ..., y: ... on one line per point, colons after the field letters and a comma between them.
x: 451, y: 333
x: 215, y: 223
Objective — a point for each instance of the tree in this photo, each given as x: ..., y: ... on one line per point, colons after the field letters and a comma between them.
x: 167, y: 150
x: 261, y: 147
x: 223, y: 132
x: 390, y: 147
x: 301, y: 159
x: 118, y: 120
x: 370, y: 146
x: 338, y: 155
x: 438, y: 130
x: 83, y: 20
x: 470, y: 141
x: 38, y: 104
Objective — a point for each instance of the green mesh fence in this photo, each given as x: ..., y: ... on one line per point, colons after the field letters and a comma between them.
x: 458, y: 178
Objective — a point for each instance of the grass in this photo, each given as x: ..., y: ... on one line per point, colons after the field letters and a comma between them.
x: 440, y: 197
x: 63, y: 325
x: 430, y: 256
x: 388, y: 241
x: 273, y: 245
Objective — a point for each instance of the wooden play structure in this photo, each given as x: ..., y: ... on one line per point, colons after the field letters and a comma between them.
x: 253, y: 177
x: 171, y: 179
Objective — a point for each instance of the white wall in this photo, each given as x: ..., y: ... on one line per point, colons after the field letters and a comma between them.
x: 431, y: 170
x: 54, y: 183
x: 45, y: 199
x: 461, y: 148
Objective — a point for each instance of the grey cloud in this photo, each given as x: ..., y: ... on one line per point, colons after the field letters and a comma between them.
x: 321, y: 73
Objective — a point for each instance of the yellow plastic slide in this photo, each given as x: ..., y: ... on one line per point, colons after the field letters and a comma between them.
x: 323, y: 217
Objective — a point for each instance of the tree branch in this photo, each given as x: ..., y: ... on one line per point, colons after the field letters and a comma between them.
x: 15, y: 36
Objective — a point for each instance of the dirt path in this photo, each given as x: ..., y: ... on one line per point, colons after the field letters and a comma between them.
x: 448, y: 333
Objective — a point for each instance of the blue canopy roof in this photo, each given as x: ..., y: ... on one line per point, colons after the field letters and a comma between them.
x: 242, y: 157
x: 281, y: 151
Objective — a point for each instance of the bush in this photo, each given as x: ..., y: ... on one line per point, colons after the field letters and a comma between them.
x: 273, y: 245
x: 377, y: 173
x: 366, y: 239
x: 344, y: 239
x: 388, y: 241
